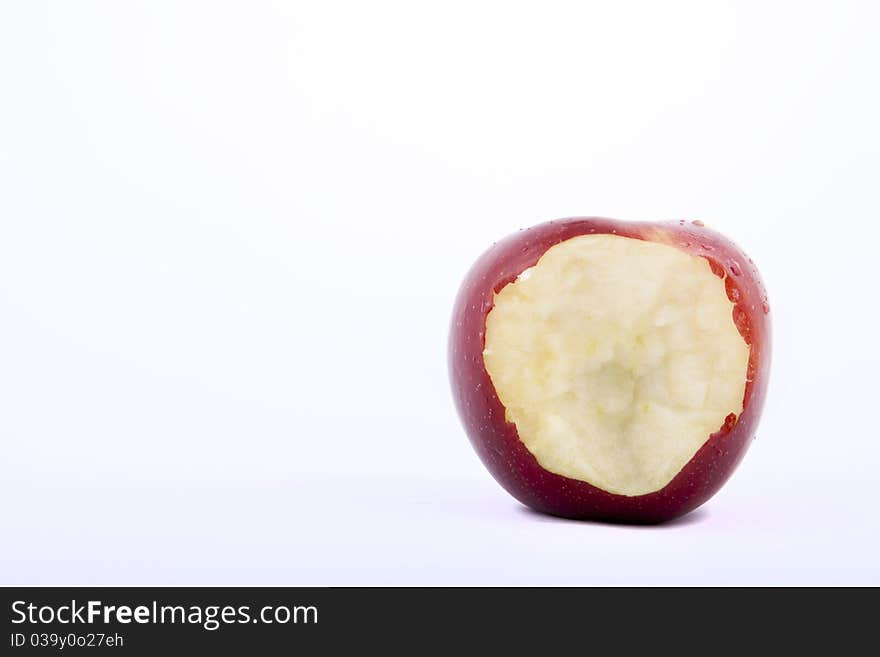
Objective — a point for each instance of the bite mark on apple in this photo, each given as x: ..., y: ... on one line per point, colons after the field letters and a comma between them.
x: 617, y: 359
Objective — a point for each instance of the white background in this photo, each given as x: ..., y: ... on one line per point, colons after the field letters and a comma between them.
x: 231, y: 233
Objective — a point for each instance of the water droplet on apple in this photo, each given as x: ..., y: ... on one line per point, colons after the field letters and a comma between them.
x: 765, y: 305
x: 697, y: 222
x: 734, y: 268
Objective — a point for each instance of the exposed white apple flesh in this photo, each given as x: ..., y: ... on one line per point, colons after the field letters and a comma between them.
x: 616, y: 359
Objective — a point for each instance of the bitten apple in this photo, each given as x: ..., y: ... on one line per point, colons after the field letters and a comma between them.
x: 611, y: 370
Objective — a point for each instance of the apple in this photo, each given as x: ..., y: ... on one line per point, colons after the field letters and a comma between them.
x: 611, y: 370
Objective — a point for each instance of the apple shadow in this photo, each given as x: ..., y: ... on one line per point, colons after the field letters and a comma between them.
x: 693, y: 518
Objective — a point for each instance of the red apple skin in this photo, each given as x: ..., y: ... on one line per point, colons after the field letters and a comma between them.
x: 496, y: 441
